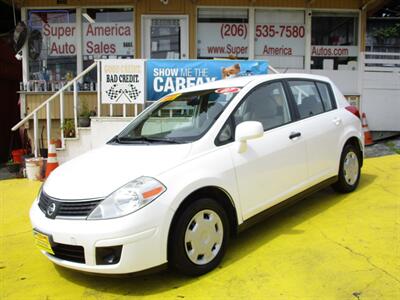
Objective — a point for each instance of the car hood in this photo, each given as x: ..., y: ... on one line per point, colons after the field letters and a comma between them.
x: 100, y: 172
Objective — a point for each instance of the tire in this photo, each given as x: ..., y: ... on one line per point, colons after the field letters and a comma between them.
x: 194, y: 252
x: 349, y: 170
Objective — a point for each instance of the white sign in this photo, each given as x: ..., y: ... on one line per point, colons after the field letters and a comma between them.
x: 59, y: 39
x: 222, y: 40
x: 108, y: 39
x: 122, y: 81
x: 115, y: 39
x: 280, y: 39
x: 334, y: 51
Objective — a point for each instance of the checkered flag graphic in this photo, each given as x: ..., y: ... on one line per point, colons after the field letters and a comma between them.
x: 132, y: 93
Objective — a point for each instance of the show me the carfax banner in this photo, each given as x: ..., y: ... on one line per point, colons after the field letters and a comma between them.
x: 123, y: 81
x: 167, y: 76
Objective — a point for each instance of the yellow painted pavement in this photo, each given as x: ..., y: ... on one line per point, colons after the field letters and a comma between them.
x: 329, y: 246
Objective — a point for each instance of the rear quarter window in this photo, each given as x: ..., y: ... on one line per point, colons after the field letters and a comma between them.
x: 307, y: 98
x: 326, y: 94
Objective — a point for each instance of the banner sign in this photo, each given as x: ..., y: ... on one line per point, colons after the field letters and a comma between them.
x: 167, y: 76
x: 98, y: 39
x: 122, y: 81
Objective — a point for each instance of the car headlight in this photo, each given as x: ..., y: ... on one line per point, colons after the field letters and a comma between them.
x: 129, y: 198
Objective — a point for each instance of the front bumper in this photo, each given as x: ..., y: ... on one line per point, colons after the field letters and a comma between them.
x: 143, y: 236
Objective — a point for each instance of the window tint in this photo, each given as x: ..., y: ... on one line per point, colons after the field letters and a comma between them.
x: 307, y: 98
x: 323, y: 89
x: 266, y: 104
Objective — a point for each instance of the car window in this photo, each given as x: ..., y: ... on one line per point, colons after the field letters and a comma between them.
x: 266, y: 104
x: 307, y: 98
x: 323, y: 89
x: 179, y: 117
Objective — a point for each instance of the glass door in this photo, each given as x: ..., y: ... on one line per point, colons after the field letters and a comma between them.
x: 165, y: 37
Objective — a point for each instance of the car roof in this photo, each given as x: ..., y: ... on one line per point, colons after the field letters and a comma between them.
x: 245, y: 80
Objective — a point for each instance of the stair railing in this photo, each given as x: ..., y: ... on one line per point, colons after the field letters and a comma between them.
x: 47, y: 104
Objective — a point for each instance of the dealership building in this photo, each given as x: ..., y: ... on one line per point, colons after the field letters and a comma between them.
x: 326, y: 37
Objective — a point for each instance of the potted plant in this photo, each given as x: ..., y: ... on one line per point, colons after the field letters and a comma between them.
x: 69, y: 128
x: 84, y: 115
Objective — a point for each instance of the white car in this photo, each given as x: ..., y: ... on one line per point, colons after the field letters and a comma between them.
x: 195, y: 168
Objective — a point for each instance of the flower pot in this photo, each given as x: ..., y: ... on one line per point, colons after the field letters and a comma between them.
x: 17, y: 155
x: 24, y: 158
x: 33, y: 168
x: 84, y: 122
x: 69, y: 133
x: 56, y: 142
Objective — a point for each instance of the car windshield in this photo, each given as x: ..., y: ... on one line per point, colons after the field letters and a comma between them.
x: 177, y: 118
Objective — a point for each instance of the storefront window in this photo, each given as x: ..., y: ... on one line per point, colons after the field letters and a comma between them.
x: 280, y: 37
x: 107, y: 33
x: 222, y: 33
x: 334, y: 41
x: 52, y: 47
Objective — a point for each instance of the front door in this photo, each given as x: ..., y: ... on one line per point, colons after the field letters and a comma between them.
x: 274, y: 166
x: 165, y: 37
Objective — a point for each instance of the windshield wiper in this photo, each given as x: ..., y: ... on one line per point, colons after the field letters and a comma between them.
x: 143, y: 139
x: 128, y: 140
x: 161, y: 140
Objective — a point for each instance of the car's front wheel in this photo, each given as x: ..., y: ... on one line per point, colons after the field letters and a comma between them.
x: 349, y: 170
x: 199, y: 237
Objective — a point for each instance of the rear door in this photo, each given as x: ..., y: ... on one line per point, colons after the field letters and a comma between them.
x: 275, y: 165
x: 321, y: 123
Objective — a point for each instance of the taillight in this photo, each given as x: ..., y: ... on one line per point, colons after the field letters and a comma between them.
x: 353, y: 110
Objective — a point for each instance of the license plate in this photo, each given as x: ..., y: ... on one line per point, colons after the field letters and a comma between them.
x: 42, y: 241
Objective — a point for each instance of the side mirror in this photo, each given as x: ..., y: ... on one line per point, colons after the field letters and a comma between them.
x: 245, y: 131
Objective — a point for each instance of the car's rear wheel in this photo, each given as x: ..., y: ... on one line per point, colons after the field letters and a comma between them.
x: 199, y: 237
x: 349, y: 170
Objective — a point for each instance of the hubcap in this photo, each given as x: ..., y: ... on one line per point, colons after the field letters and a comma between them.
x: 203, y: 237
x: 350, y: 168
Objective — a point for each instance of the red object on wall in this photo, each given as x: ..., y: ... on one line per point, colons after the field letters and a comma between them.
x: 17, y: 155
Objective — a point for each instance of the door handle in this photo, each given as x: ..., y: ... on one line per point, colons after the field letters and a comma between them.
x: 294, y: 135
x: 337, y: 121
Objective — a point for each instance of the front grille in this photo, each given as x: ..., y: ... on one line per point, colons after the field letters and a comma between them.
x: 69, y: 252
x: 76, y: 209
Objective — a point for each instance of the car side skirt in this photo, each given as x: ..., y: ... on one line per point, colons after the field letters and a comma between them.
x: 286, y: 203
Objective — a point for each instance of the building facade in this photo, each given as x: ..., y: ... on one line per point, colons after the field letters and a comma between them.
x: 326, y: 37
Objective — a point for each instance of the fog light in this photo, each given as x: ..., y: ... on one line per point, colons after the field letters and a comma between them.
x: 108, y: 255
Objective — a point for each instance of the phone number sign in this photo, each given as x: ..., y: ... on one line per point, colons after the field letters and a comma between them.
x: 222, y: 40
x: 280, y: 40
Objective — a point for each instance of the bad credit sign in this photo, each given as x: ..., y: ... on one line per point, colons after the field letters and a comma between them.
x: 122, y: 81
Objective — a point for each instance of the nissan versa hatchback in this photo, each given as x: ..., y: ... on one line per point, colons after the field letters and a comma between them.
x: 195, y: 168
